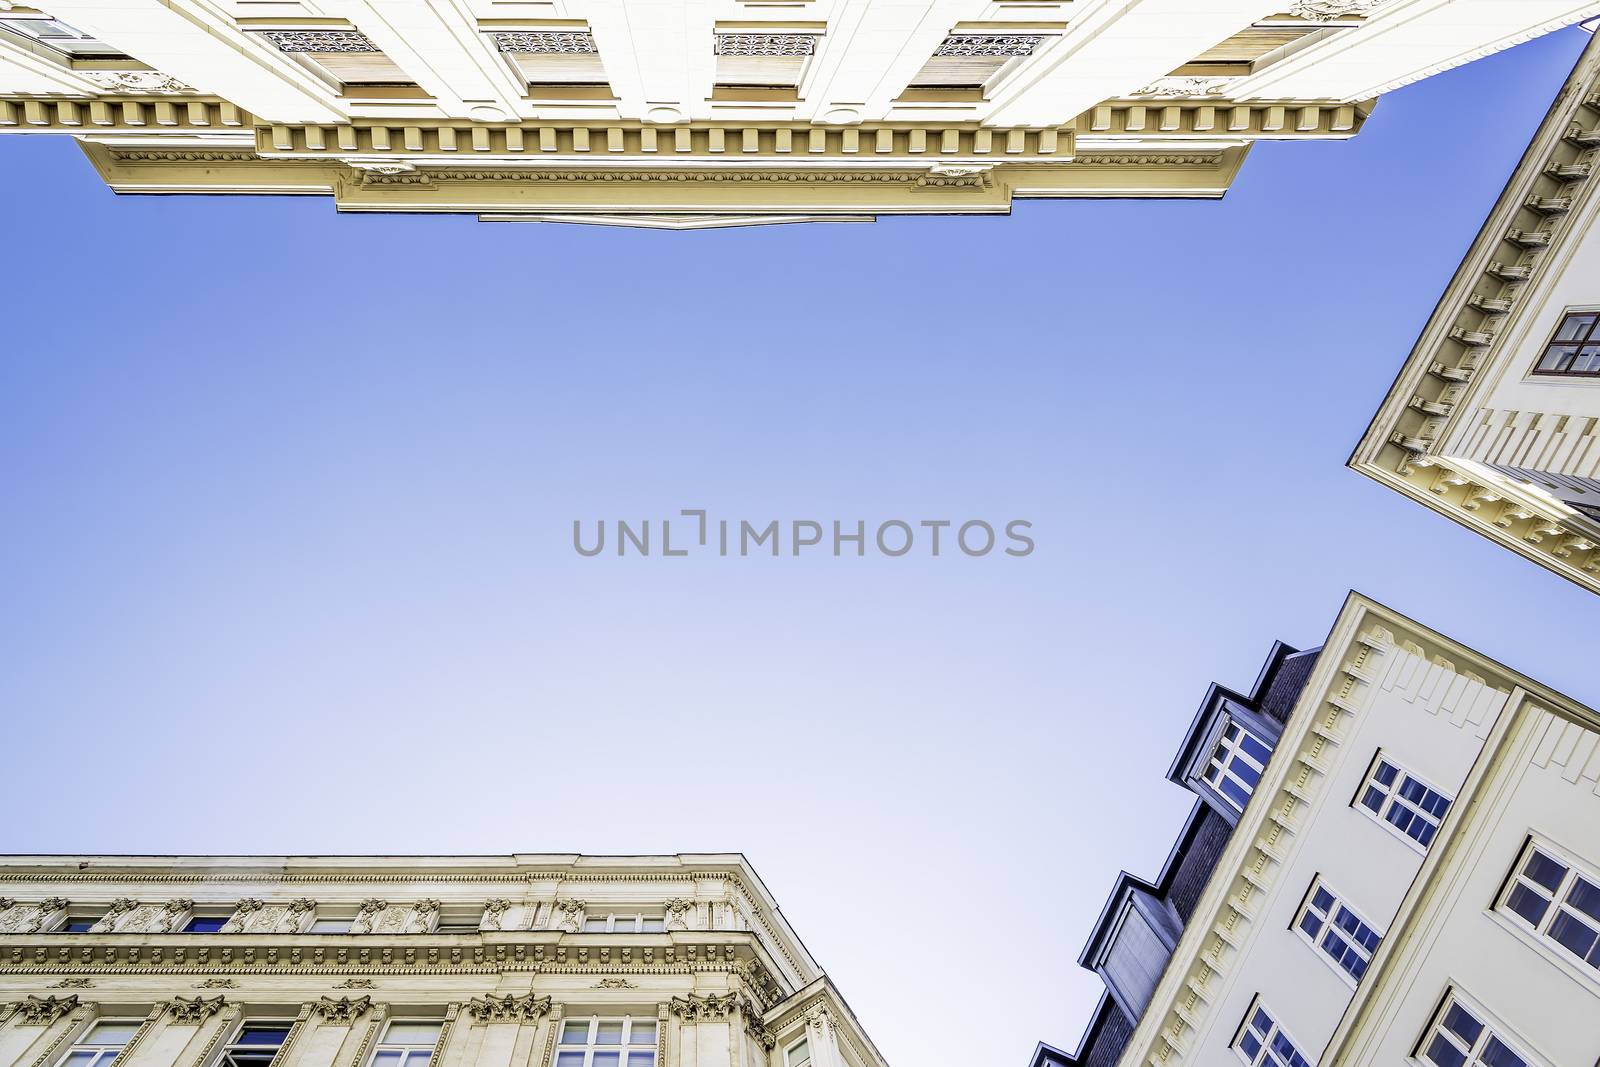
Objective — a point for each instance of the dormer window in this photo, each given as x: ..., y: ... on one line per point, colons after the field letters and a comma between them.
x: 1575, y: 348
x: 552, y: 58
x: 1237, y: 763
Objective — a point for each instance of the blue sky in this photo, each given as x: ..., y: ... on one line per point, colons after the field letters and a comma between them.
x: 286, y: 550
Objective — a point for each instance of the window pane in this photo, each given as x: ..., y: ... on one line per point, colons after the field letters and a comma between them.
x: 653, y: 926
x: 594, y: 926
x: 1526, y: 903
x: 1256, y: 749
x: 114, y: 1032
x: 1497, y: 1055
x: 1444, y: 1054
x: 799, y: 1054
x: 1556, y: 357
x: 1587, y: 361
x: 1575, y: 327
x: 643, y: 1032
x: 1544, y: 870
x: 79, y: 1058
x: 1463, y: 1025
x: 608, y: 1032
x: 641, y: 1058
x: 606, y: 1059
x: 569, y: 1059
x: 263, y: 1034
x: 575, y: 1032
x: 1573, y: 934
x: 387, y: 1058
x: 412, y: 1033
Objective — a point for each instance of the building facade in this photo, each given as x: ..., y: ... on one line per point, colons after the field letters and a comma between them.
x: 1494, y: 420
x: 693, y: 113
x: 506, y: 961
x: 1394, y: 857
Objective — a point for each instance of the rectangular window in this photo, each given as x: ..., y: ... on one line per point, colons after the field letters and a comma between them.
x: 970, y: 63
x: 77, y: 924
x: 623, y: 924
x: 1237, y: 763
x: 1262, y: 1042
x: 1401, y: 800
x: 1335, y: 930
x: 552, y: 57
x: 256, y: 1043
x: 344, y: 56
x: 1251, y: 49
x: 205, y: 924
x: 798, y: 1054
x: 1556, y: 900
x: 407, y: 1043
x: 601, y: 1042
x: 100, y: 1044
x: 61, y: 37
x: 762, y: 63
x: 1575, y: 349
x: 331, y: 924
x: 1458, y: 1037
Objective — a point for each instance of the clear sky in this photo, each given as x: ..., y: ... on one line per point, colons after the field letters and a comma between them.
x: 287, y: 498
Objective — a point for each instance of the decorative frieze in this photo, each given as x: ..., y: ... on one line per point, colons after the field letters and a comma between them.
x: 678, y: 913
x: 989, y: 44
x: 319, y: 41
x: 545, y: 42
x: 137, y: 82
x: 571, y: 915
x: 42, y: 1011
x: 1334, y: 10
x: 765, y: 44
x: 707, y: 1007
x: 508, y: 1008
x: 23, y: 918
x: 381, y: 917
x: 127, y: 916
x: 252, y: 916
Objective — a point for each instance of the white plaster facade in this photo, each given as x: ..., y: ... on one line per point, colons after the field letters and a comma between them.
x: 688, y: 113
x: 1477, y: 426
x: 501, y: 961
x: 1513, y: 758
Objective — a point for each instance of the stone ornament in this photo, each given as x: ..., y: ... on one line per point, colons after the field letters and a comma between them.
x: 42, y: 1011
x: 1333, y: 10
x: 614, y: 983
x: 343, y: 1011
x: 494, y: 913
x: 545, y: 42
x: 126, y: 916
x: 193, y: 1011
x: 508, y: 1008
x: 989, y: 44
x: 678, y: 911
x: 765, y: 44
x: 142, y: 82
x: 217, y: 983
x: 381, y: 917
x: 258, y: 917
x: 707, y: 1007
x: 18, y: 918
x: 320, y: 41
x: 1176, y: 88
x: 571, y: 915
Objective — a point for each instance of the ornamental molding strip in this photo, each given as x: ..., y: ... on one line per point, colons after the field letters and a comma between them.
x: 343, y: 1011
x: 252, y: 916
x: 509, y: 1008
x: 989, y: 44
x: 1334, y: 10
x: 545, y: 42
x: 319, y: 40
x: 137, y: 82
x: 191, y: 1011
x: 42, y: 1011
x: 766, y: 44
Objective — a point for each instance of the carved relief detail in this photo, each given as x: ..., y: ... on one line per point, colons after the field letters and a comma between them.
x: 381, y: 917
x: 142, y: 82
x: 571, y: 915
x: 42, y: 1011
x: 494, y: 912
x: 704, y: 1007
x: 193, y: 1011
x: 678, y: 912
x: 1333, y: 10
x: 126, y: 916
x: 343, y: 1011
x: 18, y: 918
x: 258, y: 917
x: 508, y: 1008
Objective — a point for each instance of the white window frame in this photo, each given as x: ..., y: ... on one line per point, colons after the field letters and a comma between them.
x: 1492, y: 1028
x: 1308, y: 906
x: 1275, y: 1030
x: 82, y: 1044
x: 1538, y: 934
x: 788, y: 1053
x: 1223, y: 751
x: 407, y: 1051
x: 621, y: 923
x: 627, y: 1046
x: 233, y: 1045
x: 1392, y: 798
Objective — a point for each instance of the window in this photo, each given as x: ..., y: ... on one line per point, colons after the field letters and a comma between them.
x: 1459, y: 1038
x: 762, y: 64
x: 205, y: 924
x: 100, y: 1044
x: 1262, y: 1043
x: 1403, y: 801
x: 345, y: 56
x: 1557, y: 901
x: 62, y: 37
x: 1575, y: 349
x: 77, y: 924
x: 549, y: 58
x: 966, y: 64
x: 797, y: 1054
x: 1250, y: 49
x: 596, y: 1042
x: 458, y: 922
x: 331, y: 924
x: 623, y: 924
x: 1237, y: 763
x: 256, y: 1044
x: 407, y: 1043
x: 1336, y: 931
